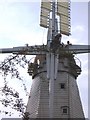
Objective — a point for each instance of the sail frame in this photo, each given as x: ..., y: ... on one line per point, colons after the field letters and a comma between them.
x: 62, y: 10
x: 45, y: 13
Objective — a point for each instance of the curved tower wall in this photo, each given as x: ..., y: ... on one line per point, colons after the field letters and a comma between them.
x: 67, y: 103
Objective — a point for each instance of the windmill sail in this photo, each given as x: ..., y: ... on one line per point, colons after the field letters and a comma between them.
x: 45, y: 13
x: 63, y: 10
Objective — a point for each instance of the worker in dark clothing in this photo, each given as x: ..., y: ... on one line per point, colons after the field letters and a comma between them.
x: 68, y: 43
x: 56, y: 42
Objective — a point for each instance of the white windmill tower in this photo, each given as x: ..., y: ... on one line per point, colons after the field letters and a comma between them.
x: 54, y: 92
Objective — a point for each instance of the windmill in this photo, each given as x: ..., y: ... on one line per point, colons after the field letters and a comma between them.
x: 55, y: 60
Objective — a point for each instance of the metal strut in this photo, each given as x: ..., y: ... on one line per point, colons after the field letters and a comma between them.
x: 28, y: 50
x: 43, y: 49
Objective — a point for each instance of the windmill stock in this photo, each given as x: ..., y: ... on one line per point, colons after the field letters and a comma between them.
x: 57, y: 68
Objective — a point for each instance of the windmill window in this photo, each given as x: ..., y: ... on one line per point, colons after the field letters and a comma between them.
x: 62, y: 85
x: 64, y: 109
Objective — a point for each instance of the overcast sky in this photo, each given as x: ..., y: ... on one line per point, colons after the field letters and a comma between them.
x: 19, y: 24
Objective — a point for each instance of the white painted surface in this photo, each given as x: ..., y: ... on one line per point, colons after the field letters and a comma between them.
x: 39, y: 103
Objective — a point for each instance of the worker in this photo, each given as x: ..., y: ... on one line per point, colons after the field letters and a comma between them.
x: 68, y: 43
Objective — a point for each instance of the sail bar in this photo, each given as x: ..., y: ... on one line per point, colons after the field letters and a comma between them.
x: 63, y: 10
x: 45, y: 13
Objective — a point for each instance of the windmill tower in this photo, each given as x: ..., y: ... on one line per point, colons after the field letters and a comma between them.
x: 54, y: 92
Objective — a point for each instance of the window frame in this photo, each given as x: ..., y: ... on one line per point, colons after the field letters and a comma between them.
x: 62, y: 86
x: 63, y: 108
